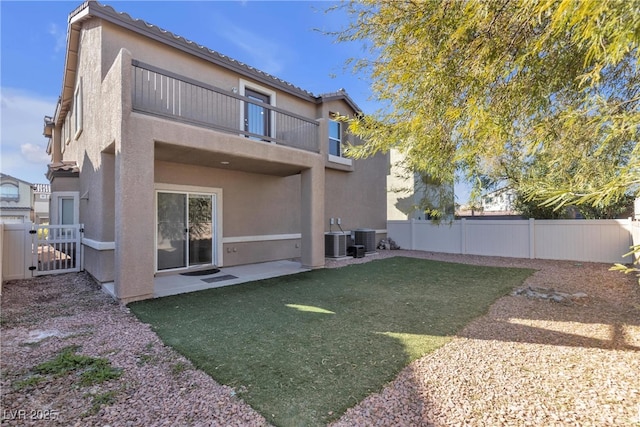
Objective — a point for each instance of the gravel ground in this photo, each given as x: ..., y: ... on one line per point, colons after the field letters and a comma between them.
x: 528, y: 361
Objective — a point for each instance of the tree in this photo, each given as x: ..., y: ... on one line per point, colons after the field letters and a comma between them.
x: 471, y: 86
x: 484, y: 86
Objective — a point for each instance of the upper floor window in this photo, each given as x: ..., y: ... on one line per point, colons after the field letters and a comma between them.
x: 67, y: 131
x: 9, y: 192
x: 335, y: 138
x: 77, y: 105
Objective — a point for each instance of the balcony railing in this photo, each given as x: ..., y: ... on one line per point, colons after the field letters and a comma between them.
x: 165, y: 94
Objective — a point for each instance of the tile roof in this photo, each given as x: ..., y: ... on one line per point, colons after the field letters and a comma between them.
x: 42, y: 188
x: 70, y: 166
x: 5, y: 176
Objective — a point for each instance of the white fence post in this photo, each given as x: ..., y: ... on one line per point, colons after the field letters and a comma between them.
x: 1, y: 256
x: 412, y: 233
x: 463, y: 236
x: 635, y: 237
x: 532, y: 238
x: 80, y: 247
x: 32, y: 242
x: 28, y: 251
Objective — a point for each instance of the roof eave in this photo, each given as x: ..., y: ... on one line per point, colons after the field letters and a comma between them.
x: 343, y: 96
x: 71, y: 61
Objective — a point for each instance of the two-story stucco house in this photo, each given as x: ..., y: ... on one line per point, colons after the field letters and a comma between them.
x: 175, y: 157
x: 16, y: 197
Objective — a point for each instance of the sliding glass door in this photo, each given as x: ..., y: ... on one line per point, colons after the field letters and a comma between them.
x: 185, y: 234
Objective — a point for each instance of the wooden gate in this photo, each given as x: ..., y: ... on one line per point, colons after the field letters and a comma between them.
x: 56, y: 249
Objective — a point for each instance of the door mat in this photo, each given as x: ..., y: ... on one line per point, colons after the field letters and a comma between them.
x: 219, y: 278
x: 201, y: 272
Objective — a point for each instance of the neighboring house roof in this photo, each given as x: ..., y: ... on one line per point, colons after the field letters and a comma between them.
x: 500, y: 190
x: 340, y: 94
x: 5, y: 176
x: 94, y: 9
x: 42, y: 188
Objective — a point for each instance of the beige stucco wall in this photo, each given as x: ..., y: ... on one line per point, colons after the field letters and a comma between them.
x: 254, y: 205
x: 92, y: 150
x: 65, y: 184
x: 356, y: 194
x: 254, y: 252
x: 153, y: 53
x: 402, y: 197
x: 358, y: 197
x: 99, y: 263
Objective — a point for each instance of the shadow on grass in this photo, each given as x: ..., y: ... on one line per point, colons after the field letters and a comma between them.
x: 302, y: 349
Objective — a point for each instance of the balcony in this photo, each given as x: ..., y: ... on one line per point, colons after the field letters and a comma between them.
x: 162, y: 93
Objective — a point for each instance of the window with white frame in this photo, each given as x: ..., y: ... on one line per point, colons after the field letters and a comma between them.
x: 77, y: 113
x: 66, y: 131
x: 335, y: 138
x: 65, y: 207
x: 9, y: 192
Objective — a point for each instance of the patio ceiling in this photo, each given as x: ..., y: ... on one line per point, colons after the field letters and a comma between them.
x: 193, y: 156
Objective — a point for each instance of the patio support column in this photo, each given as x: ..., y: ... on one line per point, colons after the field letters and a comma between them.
x: 134, y: 201
x: 312, y: 220
x: 134, y: 221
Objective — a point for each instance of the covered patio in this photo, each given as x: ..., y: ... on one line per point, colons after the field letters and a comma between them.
x: 173, y: 284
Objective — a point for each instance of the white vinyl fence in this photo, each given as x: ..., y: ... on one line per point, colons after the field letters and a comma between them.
x: 28, y: 250
x: 576, y: 240
x: 16, y: 251
x: 635, y: 234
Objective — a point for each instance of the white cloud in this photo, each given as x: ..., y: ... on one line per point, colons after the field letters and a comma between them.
x: 60, y: 37
x: 34, y: 153
x: 23, y: 147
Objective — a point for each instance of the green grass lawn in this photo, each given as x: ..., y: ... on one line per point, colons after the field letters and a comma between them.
x: 302, y: 349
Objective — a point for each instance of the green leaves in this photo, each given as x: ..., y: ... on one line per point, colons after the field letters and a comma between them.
x: 494, y: 87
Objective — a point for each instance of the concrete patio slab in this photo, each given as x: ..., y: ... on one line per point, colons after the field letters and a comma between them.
x: 176, y: 284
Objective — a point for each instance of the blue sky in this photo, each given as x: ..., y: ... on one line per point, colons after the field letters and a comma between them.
x: 280, y: 38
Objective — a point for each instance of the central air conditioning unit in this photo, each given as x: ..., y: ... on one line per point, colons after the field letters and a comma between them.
x: 365, y: 237
x: 335, y: 245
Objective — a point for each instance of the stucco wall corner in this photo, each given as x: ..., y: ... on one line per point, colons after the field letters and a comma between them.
x: 125, y: 57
